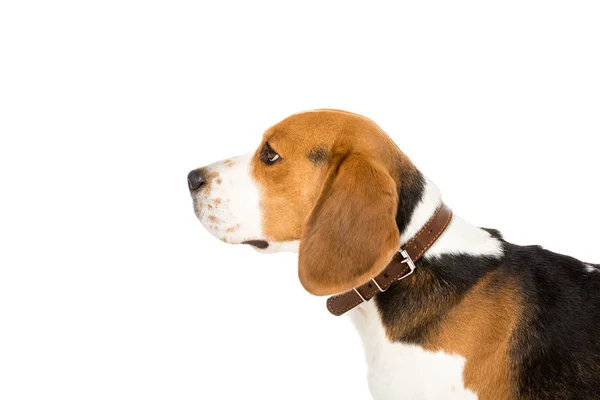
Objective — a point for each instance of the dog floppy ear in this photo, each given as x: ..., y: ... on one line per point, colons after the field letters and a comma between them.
x: 351, y: 233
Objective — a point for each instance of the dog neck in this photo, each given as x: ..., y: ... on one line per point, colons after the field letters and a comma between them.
x: 461, y: 255
x: 459, y: 238
x: 399, y: 328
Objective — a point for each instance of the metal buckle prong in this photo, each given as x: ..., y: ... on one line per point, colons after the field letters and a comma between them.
x: 408, y: 261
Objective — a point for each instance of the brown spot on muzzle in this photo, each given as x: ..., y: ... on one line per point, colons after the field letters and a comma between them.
x: 233, y: 228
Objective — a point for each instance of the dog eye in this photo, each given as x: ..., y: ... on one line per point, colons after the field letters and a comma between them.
x: 268, y: 155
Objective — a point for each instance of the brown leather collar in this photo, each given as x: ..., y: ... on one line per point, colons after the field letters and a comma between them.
x: 401, y: 266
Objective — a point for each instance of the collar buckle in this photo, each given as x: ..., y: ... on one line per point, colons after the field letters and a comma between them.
x: 403, y: 262
x: 409, y: 262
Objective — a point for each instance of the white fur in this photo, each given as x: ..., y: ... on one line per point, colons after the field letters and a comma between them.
x: 230, y: 207
x: 277, y: 247
x: 431, y: 200
x: 460, y: 237
x: 591, y: 268
x: 399, y: 371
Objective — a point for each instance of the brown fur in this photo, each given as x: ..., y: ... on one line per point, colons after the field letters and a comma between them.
x: 479, y: 328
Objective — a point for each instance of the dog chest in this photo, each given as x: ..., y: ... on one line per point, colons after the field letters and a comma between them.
x: 400, y: 371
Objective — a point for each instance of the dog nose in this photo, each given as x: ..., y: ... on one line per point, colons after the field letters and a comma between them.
x: 195, y: 179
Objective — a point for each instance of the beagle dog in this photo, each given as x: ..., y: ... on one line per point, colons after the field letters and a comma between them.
x: 474, y: 317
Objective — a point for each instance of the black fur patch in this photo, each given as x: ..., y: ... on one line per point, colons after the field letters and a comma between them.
x: 494, y: 232
x: 555, y: 348
x: 318, y: 156
x: 449, y: 277
x: 410, y: 193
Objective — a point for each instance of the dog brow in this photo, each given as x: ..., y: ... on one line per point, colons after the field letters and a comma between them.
x: 317, y: 156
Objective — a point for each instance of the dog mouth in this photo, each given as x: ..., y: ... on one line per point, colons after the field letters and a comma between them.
x: 259, y: 244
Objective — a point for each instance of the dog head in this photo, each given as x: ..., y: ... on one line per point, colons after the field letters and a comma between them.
x: 326, y: 179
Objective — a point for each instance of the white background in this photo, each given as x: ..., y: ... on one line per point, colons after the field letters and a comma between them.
x: 109, y: 286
